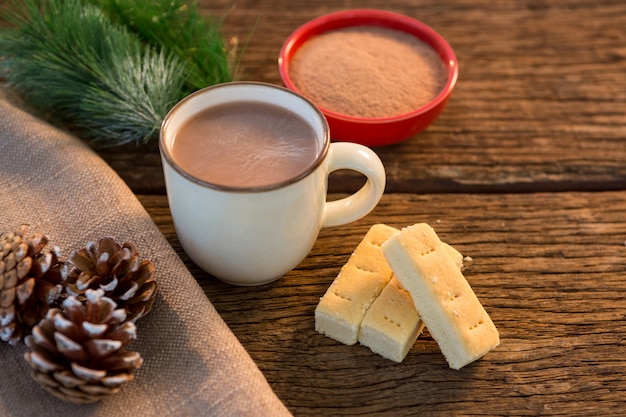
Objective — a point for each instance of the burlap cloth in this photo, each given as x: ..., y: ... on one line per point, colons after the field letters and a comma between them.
x: 193, y: 364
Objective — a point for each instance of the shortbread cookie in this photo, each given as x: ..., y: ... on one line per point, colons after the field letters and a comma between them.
x: 340, y: 311
x: 391, y: 325
x: 444, y: 299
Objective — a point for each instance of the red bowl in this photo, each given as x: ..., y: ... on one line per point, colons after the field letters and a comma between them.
x: 384, y: 130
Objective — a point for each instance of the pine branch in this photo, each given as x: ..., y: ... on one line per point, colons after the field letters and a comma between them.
x: 71, y: 61
x: 136, y: 95
x: 178, y: 26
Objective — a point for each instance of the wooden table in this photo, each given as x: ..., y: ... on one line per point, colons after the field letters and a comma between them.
x: 525, y: 172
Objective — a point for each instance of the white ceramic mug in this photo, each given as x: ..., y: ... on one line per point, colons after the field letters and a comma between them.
x: 254, y: 236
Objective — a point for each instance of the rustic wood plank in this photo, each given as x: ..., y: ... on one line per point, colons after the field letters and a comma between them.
x: 549, y: 268
x: 539, y: 104
x: 539, y: 107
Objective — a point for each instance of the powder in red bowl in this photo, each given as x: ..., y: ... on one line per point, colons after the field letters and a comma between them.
x: 368, y: 71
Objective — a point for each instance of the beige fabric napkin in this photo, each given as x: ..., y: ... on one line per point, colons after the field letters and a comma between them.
x: 193, y: 364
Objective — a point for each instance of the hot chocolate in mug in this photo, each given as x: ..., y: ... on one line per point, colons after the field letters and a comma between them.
x: 246, y: 168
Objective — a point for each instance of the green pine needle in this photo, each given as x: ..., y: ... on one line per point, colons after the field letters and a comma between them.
x: 71, y: 61
x: 178, y: 26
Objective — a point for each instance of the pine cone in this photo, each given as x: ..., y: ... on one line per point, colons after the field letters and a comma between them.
x: 79, y: 353
x: 118, y: 271
x: 30, y: 281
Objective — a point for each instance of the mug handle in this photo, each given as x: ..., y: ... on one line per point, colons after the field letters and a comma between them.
x: 347, y: 155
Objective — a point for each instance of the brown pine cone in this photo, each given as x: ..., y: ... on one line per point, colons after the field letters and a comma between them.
x: 78, y: 353
x: 117, y: 270
x: 30, y: 281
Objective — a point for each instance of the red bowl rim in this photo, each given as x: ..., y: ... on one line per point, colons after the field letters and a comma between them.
x: 372, y: 17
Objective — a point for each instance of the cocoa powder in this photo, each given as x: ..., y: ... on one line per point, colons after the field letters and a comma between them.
x: 368, y: 71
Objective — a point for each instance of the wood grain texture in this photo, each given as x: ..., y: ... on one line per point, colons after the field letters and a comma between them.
x: 539, y: 105
x: 550, y: 270
x: 525, y: 172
